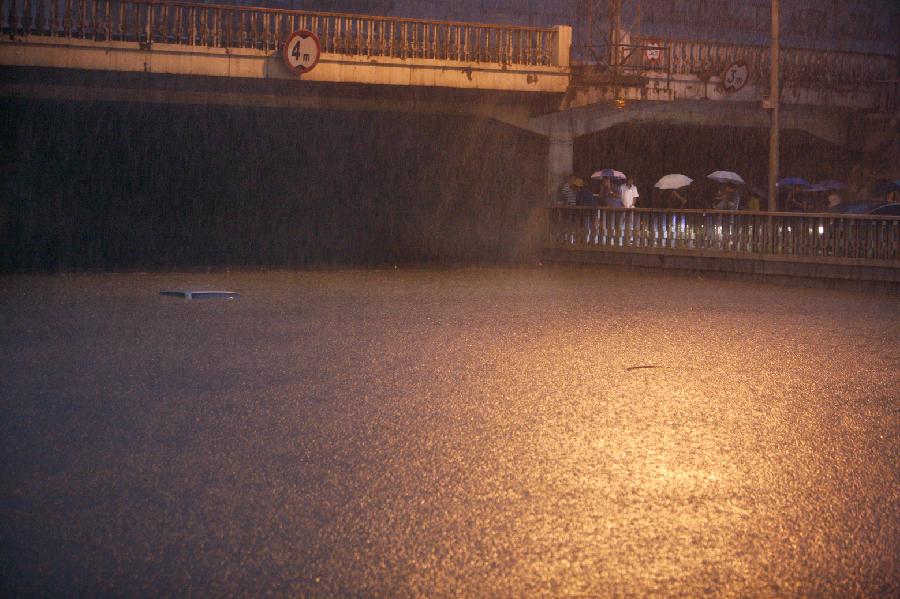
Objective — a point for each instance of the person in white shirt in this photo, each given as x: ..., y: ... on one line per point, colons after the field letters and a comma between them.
x: 629, y: 193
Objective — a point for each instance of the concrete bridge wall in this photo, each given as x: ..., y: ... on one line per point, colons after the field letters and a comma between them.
x: 71, y: 53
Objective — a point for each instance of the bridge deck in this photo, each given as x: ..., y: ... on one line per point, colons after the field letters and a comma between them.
x: 168, y: 36
x: 237, y: 41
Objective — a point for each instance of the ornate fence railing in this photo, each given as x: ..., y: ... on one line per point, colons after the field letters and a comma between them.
x: 627, y: 59
x: 816, y: 68
x: 231, y: 26
x: 822, y: 237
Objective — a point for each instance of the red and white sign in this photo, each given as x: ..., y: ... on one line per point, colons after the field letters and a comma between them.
x: 302, y: 51
x: 653, y: 51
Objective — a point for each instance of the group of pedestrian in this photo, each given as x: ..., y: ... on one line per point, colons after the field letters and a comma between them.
x: 610, y: 193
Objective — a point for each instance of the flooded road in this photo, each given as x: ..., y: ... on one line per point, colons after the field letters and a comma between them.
x: 476, y: 432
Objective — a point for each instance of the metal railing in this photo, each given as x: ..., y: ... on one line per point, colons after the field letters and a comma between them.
x: 628, y: 59
x: 816, y: 68
x: 824, y: 237
x: 798, y: 65
x: 229, y: 26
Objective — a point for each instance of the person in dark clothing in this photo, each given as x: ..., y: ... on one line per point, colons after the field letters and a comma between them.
x: 585, y: 198
x: 676, y: 199
x: 583, y: 195
x: 608, y: 195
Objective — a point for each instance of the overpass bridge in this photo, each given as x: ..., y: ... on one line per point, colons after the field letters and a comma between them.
x: 178, y: 52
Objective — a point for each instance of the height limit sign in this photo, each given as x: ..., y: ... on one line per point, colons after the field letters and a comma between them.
x: 301, y: 52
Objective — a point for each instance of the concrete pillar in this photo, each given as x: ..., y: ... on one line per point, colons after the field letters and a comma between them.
x: 560, y: 159
x: 562, y: 52
x: 560, y: 163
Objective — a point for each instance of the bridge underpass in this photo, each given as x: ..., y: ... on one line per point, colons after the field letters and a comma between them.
x: 536, y: 113
x: 245, y: 184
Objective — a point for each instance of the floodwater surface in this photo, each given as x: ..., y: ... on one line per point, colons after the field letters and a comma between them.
x: 476, y: 432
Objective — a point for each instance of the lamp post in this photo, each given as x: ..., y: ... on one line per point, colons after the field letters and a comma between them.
x: 774, y: 101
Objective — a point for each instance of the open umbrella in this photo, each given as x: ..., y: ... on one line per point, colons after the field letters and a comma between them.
x: 609, y: 172
x: 832, y: 185
x: 673, y: 181
x: 725, y: 177
x: 791, y: 181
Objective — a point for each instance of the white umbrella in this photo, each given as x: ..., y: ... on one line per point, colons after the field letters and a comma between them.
x: 725, y: 177
x: 609, y: 172
x: 673, y: 182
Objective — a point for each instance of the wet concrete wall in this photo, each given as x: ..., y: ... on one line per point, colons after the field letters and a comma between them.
x: 98, y: 186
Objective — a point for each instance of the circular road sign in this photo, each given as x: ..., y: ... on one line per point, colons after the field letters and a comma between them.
x: 736, y: 76
x: 653, y: 51
x: 301, y: 51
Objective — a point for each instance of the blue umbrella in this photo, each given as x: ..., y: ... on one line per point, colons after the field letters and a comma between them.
x: 792, y: 181
x: 609, y: 172
x: 832, y: 185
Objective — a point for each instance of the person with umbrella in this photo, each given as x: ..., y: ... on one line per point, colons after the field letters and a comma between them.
x: 833, y: 189
x: 795, y: 202
x: 888, y: 189
x: 728, y: 196
x: 608, y: 191
x: 834, y: 200
x: 671, y: 186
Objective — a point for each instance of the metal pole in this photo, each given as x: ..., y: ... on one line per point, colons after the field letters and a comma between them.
x: 617, y: 31
x: 615, y: 39
x: 774, y: 100
x: 590, y: 20
x: 636, y: 33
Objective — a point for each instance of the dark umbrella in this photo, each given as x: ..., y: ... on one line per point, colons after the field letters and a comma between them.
x: 832, y: 185
x: 887, y: 186
x: 792, y: 181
